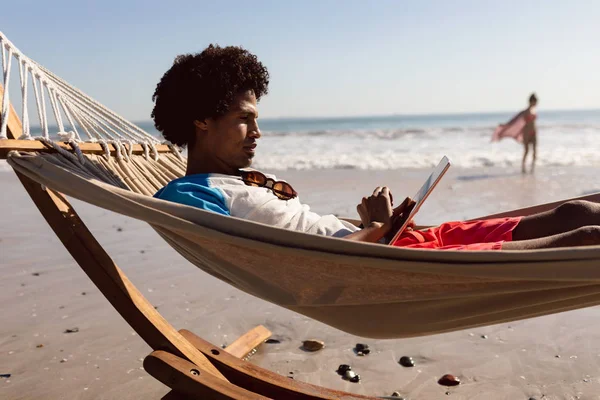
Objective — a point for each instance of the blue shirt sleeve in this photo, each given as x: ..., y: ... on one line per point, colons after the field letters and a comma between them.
x: 195, y: 191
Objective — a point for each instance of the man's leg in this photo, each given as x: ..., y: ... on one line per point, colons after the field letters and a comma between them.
x: 586, y: 236
x: 564, y: 218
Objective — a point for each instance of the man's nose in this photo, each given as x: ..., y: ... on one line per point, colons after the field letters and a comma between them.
x: 255, y: 132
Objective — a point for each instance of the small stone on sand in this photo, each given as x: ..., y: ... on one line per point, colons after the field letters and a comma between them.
x: 72, y: 330
x: 351, y: 376
x: 36, y: 274
x: 39, y: 346
x: 313, y: 345
x: 406, y: 361
x: 449, y: 380
x: 272, y: 341
x: 362, y: 348
x: 343, y: 368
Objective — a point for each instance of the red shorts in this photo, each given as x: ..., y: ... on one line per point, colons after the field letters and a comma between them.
x: 474, y: 235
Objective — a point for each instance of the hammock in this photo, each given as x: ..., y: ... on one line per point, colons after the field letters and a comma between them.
x: 400, y: 292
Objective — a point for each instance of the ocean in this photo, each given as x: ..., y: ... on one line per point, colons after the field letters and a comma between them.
x: 565, y: 138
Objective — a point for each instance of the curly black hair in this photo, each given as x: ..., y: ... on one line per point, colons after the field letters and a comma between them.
x: 204, y: 85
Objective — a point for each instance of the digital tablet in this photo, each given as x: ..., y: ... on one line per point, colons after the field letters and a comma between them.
x: 421, y: 195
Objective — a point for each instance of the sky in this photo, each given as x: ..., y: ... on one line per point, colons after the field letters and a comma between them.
x: 328, y: 57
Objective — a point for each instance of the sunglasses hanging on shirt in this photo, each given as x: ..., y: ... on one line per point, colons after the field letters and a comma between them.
x: 282, y: 190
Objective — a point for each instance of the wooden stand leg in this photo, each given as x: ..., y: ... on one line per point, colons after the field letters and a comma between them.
x: 109, y: 278
x: 248, y: 341
x: 191, y: 380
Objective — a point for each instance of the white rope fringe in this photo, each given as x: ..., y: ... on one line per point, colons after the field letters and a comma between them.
x: 73, y: 112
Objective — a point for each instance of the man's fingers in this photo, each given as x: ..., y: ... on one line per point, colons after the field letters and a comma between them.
x: 400, y: 209
x: 376, y: 191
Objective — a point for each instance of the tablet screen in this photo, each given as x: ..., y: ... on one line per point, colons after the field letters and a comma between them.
x: 422, y: 194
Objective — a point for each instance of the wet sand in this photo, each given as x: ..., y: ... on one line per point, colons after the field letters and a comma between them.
x: 42, y: 295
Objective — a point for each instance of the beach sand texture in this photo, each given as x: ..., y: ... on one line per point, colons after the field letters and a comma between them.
x: 43, y: 293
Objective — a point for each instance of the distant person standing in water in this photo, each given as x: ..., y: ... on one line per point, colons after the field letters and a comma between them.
x: 522, y: 129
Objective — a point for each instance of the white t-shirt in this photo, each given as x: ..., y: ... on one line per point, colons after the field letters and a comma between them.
x: 229, y: 195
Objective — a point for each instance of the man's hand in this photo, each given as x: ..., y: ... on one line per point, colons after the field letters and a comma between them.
x: 378, y: 218
x: 406, y: 206
x: 376, y: 208
x: 397, y: 217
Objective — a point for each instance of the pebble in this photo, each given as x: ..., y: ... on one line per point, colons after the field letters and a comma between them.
x: 36, y: 274
x: 72, y: 330
x: 397, y: 394
x: 271, y: 341
x: 484, y: 336
x: 39, y: 346
x: 64, y: 360
x: 142, y: 251
x: 406, y: 361
x: 362, y: 348
x: 449, y: 380
x: 351, y: 376
x: 119, y: 229
x: 313, y: 345
x: 83, y: 293
x: 343, y: 368
x: 5, y: 376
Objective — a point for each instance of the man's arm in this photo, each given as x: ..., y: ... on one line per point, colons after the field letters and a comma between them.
x: 372, y: 233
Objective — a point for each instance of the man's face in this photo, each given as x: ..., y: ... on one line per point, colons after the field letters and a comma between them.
x: 229, y: 141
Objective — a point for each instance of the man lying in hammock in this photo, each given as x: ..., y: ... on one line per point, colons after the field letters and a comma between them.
x: 208, y: 102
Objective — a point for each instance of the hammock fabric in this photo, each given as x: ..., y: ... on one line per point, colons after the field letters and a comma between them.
x: 365, y: 289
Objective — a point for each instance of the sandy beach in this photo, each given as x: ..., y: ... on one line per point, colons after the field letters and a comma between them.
x: 43, y: 293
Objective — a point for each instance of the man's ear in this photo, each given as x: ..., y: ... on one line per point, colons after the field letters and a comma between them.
x: 201, y: 124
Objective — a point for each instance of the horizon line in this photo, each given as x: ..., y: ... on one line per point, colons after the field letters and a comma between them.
x: 443, y: 114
